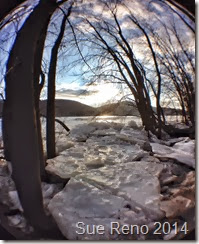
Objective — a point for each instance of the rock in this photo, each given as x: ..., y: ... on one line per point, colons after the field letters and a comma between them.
x: 182, y: 198
x: 147, y: 147
x: 14, y: 220
x: 177, y: 206
x: 6, y: 185
x: 170, y: 179
x: 190, y: 179
x: 4, y: 171
x: 14, y: 199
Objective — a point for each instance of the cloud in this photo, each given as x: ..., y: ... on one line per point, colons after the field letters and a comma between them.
x: 75, y: 92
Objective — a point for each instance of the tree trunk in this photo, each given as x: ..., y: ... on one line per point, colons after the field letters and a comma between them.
x: 188, y: 5
x: 6, y: 121
x: 21, y: 114
x: 37, y: 91
x: 50, y: 127
x: 147, y: 116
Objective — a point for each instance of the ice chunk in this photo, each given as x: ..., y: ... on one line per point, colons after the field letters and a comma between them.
x: 179, y: 155
x: 127, y: 192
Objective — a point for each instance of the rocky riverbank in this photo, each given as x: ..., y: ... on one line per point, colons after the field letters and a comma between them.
x: 122, y: 183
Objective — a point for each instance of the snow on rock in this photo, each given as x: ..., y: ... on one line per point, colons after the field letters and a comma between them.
x: 127, y: 193
x: 181, y: 152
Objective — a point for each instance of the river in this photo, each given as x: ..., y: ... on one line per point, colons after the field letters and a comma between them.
x: 72, y: 122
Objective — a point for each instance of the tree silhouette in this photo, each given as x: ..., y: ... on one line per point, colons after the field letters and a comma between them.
x: 19, y: 111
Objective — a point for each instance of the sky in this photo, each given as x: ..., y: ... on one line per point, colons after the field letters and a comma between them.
x: 91, y: 95
x: 69, y: 86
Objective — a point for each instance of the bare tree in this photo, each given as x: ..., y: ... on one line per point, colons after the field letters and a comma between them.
x: 187, y: 7
x: 178, y: 66
x: 20, y: 114
x: 157, y: 69
x: 7, y: 6
x: 180, y: 6
x: 109, y: 54
x: 50, y: 126
x: 117, y: 60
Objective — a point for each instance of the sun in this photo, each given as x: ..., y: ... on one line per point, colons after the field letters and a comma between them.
x: 105, y: 93
x: 98, y: 94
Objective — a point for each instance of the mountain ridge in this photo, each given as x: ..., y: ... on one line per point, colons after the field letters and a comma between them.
x: 66, y: 107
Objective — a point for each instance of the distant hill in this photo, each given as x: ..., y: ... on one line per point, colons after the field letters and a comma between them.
x: 73, y: 108
x: 119, y: 109
x: 65, y: 107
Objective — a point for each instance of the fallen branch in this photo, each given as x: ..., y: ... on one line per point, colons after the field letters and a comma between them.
x: 60, y: 122
x: 63, y: 125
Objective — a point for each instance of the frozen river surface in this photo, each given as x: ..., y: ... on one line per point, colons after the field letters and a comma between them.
x: 116, y: 174
x: 72, y: 122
